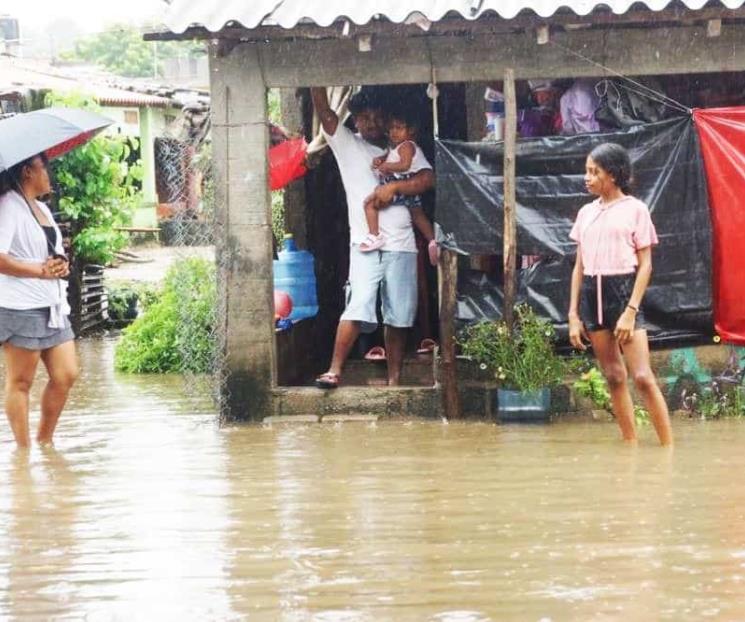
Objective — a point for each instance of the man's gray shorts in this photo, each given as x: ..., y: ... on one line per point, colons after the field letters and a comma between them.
x: 395, y: 274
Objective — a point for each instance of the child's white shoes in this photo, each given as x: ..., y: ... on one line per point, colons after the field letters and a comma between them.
x: 372, y: 243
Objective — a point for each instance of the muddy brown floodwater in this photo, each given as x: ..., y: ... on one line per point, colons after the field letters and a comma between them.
x: 148, y: 510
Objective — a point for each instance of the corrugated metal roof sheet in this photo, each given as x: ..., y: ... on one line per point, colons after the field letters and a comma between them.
x: 288, y: 13
x: 17, y: 74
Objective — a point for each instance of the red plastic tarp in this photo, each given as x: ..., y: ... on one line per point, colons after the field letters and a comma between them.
x: 722, y: 136
x: 286, y: 162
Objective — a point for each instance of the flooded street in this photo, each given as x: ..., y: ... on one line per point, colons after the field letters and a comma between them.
x: 147, y: 509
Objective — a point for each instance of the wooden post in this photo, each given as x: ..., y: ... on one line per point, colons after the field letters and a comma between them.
x: 448, y: 288
x: 510, y: 228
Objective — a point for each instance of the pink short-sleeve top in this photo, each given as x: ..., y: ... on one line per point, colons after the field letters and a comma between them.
x: 609, y: 235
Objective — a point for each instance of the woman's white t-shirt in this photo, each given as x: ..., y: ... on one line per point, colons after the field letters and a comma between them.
x: 24, y: 240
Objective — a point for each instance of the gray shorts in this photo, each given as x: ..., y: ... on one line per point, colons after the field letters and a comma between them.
x: 391, y: 272
x: 29, y: 329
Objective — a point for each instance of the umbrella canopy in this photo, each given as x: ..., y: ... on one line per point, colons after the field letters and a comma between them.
x: 52, y: 131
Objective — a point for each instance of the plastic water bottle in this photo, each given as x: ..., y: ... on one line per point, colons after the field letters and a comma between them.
x: 294, y: 273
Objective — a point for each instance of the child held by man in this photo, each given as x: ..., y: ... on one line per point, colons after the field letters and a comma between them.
x: 403, y: 159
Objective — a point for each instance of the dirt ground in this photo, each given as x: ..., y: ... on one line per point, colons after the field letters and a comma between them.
x: 150, y: 263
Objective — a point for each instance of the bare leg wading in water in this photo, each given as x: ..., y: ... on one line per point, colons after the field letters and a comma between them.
x: 21, y: 365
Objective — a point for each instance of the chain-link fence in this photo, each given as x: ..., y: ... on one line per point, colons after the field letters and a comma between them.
x: 188, y: 221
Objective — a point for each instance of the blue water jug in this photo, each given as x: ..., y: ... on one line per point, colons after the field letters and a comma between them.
x: 294, y: 273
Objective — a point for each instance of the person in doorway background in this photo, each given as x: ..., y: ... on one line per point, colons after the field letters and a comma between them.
x: 392, y: 271
x: 614, y: 236
x: 34, y: 323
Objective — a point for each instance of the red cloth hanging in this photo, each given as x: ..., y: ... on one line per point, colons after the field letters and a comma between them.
x: 286, y: 162
x: 721, y: 132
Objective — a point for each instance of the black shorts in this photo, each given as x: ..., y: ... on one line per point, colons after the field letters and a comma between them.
x: 616, y: 291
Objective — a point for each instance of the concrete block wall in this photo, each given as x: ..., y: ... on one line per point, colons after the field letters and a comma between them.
x: 240, y: 143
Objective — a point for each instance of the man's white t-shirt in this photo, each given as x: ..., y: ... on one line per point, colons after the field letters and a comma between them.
x: 354, y: 156
x: 23, y: 239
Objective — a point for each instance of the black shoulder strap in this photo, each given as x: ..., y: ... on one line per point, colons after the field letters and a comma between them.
x: 50, y: 247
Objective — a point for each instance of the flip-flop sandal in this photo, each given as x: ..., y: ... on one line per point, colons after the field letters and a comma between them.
x: 327, y: 381
x: 375, y: 354
x: 427, y: 346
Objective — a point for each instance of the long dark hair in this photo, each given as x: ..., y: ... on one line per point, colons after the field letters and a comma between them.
x: 615, y: 161
x: 11, y: 178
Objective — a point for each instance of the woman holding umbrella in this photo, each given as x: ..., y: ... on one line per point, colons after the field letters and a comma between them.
x: 34, y: 323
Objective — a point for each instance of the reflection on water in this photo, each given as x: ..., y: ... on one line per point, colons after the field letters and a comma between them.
x: 148, y: 510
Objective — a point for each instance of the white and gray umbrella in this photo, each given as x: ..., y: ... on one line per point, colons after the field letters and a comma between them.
x: 52, y: 131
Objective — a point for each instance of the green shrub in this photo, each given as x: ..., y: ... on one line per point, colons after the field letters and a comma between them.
x: 592, y: 385
x: 97, y: 188
x: 274, y: 110
x: 176, y: 332
x: 121, y: 300
x: 717, y: 402
x: 278, y: 215
x: 121, y: 297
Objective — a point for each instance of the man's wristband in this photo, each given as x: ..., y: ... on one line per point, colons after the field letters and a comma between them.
x: 633, y: 308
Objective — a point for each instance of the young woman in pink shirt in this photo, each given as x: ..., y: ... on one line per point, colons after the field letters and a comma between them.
x: 614, y: 236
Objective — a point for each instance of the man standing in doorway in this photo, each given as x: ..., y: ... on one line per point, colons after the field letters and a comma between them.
x: 392, y: 270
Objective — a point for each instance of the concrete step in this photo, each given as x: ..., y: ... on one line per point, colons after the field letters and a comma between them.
x: 350, y: 402
x: 416, y: 372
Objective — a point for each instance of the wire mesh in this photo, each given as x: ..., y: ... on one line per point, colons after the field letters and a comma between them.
x: 189, y: 225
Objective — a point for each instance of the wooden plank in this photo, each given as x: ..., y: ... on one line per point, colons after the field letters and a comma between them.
x: 510, y: 227
x: 448, y: 287
x: 94, y: 296
x: 475, y: 109
x: 138, y: 229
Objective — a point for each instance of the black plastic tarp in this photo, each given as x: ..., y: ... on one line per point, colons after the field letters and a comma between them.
x: 669, y: 177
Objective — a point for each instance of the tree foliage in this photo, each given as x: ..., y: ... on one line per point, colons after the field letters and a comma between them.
x: 122, y: 50
x: 96, y: 188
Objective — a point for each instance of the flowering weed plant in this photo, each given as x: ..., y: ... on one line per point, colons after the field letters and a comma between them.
x: 524, y: 359
x: 592, y: 384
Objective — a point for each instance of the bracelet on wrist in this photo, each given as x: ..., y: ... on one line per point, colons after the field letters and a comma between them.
x: 633, y: 308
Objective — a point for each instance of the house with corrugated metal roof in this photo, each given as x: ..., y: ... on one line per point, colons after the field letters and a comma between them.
x: 136, y: 114
x: 459, y: 46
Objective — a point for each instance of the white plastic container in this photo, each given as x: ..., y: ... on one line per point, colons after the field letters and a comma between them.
x: 494, y: 126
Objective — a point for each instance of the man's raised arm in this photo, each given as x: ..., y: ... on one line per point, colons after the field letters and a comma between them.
x: 328, y: 117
